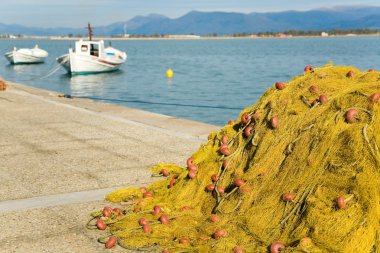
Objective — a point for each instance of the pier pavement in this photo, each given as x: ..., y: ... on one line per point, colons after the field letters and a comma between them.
x: 60, y: 156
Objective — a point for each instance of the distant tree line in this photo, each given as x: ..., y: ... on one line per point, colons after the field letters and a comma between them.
x: 7, y: 36
x: 364, y: 31
x: 155, y: 35
x: 319, y: 32
x: 334, y: 32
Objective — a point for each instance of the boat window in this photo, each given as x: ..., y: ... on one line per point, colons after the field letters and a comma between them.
x: 94, y: 50
x: 84, y: 48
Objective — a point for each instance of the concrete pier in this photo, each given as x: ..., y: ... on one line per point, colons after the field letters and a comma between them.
x: 60, y: 156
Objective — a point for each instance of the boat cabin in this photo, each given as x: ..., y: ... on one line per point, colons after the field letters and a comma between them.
x: 94, y: 48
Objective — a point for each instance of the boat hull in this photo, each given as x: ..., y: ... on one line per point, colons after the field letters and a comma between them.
x: 26, y: 56
x: 64, y: 61
x: 81, y: 61
x: 81, y: 64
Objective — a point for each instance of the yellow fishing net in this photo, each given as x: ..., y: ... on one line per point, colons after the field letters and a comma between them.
x: 299, y: 171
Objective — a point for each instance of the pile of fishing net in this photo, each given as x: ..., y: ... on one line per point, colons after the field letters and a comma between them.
x: 3, y: 85
x: 299, y: 171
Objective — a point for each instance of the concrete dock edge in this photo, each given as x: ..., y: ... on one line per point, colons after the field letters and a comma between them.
x: 60, y: 156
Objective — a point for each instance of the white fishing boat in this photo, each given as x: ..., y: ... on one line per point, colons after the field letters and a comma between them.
x: 92, y: 57
x: 26, y: 55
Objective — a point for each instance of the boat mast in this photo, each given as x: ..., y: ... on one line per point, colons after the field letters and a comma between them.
x: 89, y: 28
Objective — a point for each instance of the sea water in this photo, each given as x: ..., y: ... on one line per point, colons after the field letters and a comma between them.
x: 214, y: 79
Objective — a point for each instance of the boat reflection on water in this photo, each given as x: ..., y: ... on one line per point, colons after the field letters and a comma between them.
x: 25, y: 72
x: 22, y: 68
x: 93, y: 85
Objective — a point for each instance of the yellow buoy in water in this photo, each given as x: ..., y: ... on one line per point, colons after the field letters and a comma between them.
x: 169, y: 73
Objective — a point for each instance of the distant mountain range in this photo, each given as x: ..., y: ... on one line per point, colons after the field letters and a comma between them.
x: 224, y: 23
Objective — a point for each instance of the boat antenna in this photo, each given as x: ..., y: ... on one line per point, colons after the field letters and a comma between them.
x: 89, y: 28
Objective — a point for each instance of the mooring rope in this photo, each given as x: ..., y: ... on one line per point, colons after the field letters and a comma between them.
x: 55, y: 69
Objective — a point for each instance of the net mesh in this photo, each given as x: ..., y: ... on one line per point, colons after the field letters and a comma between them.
x: 302, y: 175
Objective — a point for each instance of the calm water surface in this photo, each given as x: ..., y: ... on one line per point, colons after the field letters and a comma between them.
x: 213, y: 79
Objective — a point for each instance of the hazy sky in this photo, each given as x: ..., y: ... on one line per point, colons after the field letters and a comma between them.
x: 76, y: 13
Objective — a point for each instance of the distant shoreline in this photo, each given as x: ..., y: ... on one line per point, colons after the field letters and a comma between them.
x: 187, y: 37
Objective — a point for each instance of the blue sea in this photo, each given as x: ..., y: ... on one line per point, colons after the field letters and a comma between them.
x: 213, y: 79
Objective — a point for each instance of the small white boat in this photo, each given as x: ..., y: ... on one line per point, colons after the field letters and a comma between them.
x: 26, y: 55
x: 92, y: 57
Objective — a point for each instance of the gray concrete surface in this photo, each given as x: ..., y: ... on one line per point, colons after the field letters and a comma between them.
x: 59, y: 156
